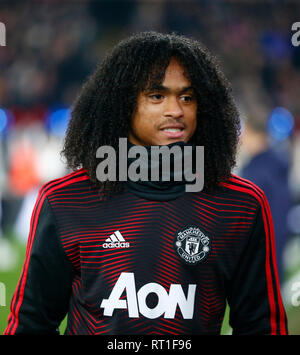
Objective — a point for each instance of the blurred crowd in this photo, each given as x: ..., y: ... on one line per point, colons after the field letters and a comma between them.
x: 52, y: 47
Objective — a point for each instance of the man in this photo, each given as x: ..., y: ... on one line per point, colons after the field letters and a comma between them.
x: 269, y: 170
x: 147, y: 257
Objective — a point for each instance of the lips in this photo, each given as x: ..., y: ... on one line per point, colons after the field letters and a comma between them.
x: 174, y: 126
x: 173, y: 131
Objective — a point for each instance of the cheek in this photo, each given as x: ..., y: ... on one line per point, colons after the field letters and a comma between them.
x: 142, y: 124
x: 192, y: 130
x: 193, y: 119
x: 145, y: 118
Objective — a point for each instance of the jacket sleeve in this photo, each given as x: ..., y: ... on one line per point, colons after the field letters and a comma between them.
x: 253, y: 293
x: 41, y: 299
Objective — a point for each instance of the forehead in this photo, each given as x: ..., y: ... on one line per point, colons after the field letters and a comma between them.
x: 175, y: 70
x: 174, y: 75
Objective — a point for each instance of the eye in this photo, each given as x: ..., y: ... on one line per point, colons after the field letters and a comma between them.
x: 187, y: 98
x: 156, y: 97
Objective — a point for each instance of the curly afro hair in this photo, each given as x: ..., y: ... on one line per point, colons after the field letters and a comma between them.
x: 103, y: 111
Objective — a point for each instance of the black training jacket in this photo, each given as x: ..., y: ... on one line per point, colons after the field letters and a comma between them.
x: 135, y: 266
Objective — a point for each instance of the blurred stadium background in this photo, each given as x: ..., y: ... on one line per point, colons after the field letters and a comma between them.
x: 51, y: 48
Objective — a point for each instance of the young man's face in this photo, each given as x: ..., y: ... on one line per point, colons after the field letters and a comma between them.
x: 166, y: 114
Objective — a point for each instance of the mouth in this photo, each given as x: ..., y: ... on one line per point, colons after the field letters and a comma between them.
x: 174, y: 131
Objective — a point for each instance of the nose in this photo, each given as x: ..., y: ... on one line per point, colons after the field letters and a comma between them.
x: 173, y: 108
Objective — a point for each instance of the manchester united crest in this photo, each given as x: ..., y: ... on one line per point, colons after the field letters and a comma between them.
x: 192, y: 245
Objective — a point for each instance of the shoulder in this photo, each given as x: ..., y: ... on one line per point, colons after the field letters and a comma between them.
x: 246, y: 188
x: 76, y: 179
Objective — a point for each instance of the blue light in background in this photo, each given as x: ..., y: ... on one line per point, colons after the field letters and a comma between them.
x: 275, y: 45
x: 57, y: 121
x: 280, y: 124
x: 3, y: 120
x: 6, y: 120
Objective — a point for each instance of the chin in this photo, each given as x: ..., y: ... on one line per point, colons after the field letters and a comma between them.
x: 169, y: 141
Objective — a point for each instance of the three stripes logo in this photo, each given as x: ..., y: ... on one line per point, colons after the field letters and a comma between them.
x: 116, y: 240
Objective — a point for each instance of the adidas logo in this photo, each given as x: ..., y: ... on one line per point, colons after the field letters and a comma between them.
x: 116, y: 240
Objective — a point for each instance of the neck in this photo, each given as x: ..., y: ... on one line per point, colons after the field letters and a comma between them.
x: 166, y: 168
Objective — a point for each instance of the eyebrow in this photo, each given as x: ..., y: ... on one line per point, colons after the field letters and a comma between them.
x: 168, y: 90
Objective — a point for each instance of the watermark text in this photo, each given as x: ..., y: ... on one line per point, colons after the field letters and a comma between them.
x: 296, y: 35
x: 2, y: 295
x: 295, y: 300
x: 2, y: 34
x: 153, y: 164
